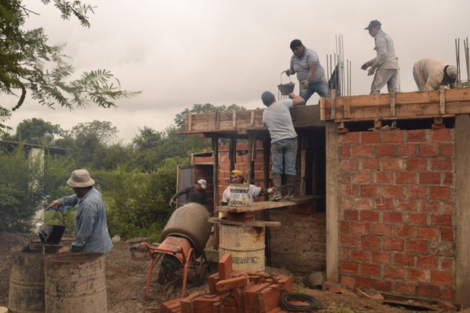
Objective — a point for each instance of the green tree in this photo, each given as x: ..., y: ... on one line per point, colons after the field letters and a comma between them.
x: 36, y: 131
x: 26, y: 56
x: 204, y: 108
x: 146, y: 139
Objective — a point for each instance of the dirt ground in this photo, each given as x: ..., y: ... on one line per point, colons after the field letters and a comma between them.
x: 126, y: 280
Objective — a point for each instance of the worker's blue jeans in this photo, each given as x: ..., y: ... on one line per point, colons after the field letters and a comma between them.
x: 284, y: 153
x: 320, y: 87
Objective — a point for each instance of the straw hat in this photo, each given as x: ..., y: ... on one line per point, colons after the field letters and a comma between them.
x: 80, y: 179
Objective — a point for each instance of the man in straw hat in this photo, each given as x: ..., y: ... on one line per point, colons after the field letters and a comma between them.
x: 430, y: 73
x: 236, y: 177
x: 91, y: 227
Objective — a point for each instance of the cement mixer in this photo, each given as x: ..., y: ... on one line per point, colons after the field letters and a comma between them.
x: 182, y: 241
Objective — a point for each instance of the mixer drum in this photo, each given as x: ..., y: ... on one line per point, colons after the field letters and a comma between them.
x: 190, y: 221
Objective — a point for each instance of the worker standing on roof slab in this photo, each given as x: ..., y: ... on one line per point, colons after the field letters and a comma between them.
x: 385, y: 65
x: 277, y: 118
x: 430, y: 73
x: 310, y: 73
x: 236, y: 177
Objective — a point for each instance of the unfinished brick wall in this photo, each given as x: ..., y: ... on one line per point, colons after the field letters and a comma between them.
x: 397, y: 211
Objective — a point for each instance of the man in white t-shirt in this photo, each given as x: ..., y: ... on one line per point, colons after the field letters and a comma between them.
x: 236, y: 177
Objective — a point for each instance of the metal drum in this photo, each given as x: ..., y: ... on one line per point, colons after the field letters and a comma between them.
x: 245, y: 244
x: 75, y: 282
x: 190, y: 221
x: 27, y: 279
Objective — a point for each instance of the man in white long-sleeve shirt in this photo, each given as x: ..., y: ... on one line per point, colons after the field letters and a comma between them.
x: 430, y: 73
x: 385, y: 65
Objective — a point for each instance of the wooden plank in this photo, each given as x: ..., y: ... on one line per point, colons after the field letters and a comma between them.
x: 266, y: 205
x: 249, y: 161
x: 333, y: 104
x: 392, y: 102
x: 462, y: 216
x: 266, y: 154
x: 190, y: 119
x: 234, y: 119
x: 322, y: 109
x: 216, y: 120
x: 215, y: 170
x: 332, y: 209
x: 252, y: 120
x: 303, y: 164
x: 251, y: 223
x: 232, y: 153
x: 442, y: 100
x: 347, y: 107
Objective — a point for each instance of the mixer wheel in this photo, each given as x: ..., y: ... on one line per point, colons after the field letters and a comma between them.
x: 164, y: 276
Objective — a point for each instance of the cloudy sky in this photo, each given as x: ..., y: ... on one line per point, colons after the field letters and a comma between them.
x: 179, y: 53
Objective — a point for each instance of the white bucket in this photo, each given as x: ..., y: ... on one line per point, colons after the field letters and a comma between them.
x: 239, y: 195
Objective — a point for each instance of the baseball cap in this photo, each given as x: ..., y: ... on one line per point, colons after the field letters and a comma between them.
x: 452, y: 71
x: 236, y: 172
x: 373, y: 23
x: 203, y: 183
x: 267, y: 97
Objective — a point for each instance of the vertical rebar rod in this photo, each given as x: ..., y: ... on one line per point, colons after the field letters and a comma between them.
x: 350, y: 75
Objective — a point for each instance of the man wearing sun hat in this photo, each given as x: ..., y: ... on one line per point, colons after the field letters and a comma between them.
x: 431, y: 73
x: 195, y: 193
x: 236, y: 177
x: 90, y: 226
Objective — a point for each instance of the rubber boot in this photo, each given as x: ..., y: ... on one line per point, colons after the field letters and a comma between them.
x: 291, y: 185
x: 277, y: 178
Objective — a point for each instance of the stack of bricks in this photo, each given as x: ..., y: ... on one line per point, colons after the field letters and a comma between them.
x: 397, y: 212
x: 235, y: 292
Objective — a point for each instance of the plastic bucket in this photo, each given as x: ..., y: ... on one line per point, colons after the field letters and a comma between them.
x: 239, y: 195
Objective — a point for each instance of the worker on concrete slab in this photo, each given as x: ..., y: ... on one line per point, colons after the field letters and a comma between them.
x: 430, y: 73
x: 90, y: 224
x: 310, y: 72
x: 277, y: 118
x: 236, y: 177
x: 195, y: 193
x: 385, y: 65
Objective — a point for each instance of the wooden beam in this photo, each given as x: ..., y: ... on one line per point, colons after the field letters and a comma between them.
x: 392, y: 103
x: 232, y: 153
x: 266, y: 155
x: 216, y: 120
x: 252, y: 120
x: 347, y: 107
x: 332, y: 209
x: 215, y: 176
x: 462, y: 205
x: 249, y: 176
x: 251, y: 223
x: 333, y: 104
x: 442, y: 100
x: 234, y: 119
x: 267, y: 205
x: 303, y: 164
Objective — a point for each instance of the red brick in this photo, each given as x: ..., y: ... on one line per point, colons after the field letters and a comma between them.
x: 403, y: 230
x: 392, y: 164
x: 344, y: 227
x: 349, y: 190
x: 447, y: 306
x: 370, y: 137
x: 406, y: 150
x: 362, y: 177
x: 446, y: 149
x: 369, y: 190
x: 350, y: 138
x: 393, y: 244
x: 441, y: 164
x: 441, y: 248
x: 447, y: 234
x: 250, y: 295
x: 430, y: 178
x: 429, y: 205
x: 350, y: 240
x: 442, y: 134
x: 406, y: 288
x: 441, y: 219
x: 384, y: 204
x: 237, y: 295
x: 345, y: 253
x: 348, y: 281
x: 350, y: 165
x: 225, y: 266
x: 429, y: 149
x: 360, y: 228
x: 416, y: 164
x: 345, y: 152
x: 448, y: 207
x: 428, y: 291
x: 230, y: 283
x: 406, y: 177
x: 360, y: 255
x: 370, y: 269
x: 382, y: 285
x: 448, y: 179
x: 362, y: 151
x: 443, y: 278
x: 407, y: 205
x: 439, y: 192
x: 448, y: 293
x: 392, y: 191
x: 346, y: 203
x: 345, y: 178
x: 393, y: 217
x: 392, y: 136
x: 352, y: 215
x: 211, y: 281
x: 370, y: 164
x: 416, y: 191
x: 427, y: 261
x: 286, y: 282
x: 415, y: 135
x: 381, y: 257
x: 368, y: 242
x: 381, y: 229
x: 417, y: 218
x: 384, y: 177
x: 369, y: 215
x: 417, y: 275
x: 428, y: 233
x: 268, y: 299
x: 363, y: 203
x: 384, y: 150
x: 403, y: 259
x: 394, y: 272
x: 349, y: 267
x: 363, y: 282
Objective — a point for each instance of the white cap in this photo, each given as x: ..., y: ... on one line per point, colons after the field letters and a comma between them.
x: 452, y: 71
x: 203, y: 183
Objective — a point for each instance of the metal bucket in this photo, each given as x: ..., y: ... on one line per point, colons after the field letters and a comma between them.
x: 75, y: 282
x: 286, y: 89
x: 245, y: 244
x: 27, y: 280
x: 239, y: 195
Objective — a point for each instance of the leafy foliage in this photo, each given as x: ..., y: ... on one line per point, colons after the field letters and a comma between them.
x: 36, y: 131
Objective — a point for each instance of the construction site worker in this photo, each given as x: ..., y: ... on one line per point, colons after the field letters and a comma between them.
x: 90, y: 224
x: 385, y: 65
x: 195, y: 193
x: 430, y: 73
x: 236, y: 177
x: 310, y: 72
x: 277, y: 118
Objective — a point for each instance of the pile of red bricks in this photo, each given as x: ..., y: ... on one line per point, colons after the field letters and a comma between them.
x: 235, y: 292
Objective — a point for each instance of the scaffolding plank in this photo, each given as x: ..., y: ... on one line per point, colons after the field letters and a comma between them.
x: 266, y: 205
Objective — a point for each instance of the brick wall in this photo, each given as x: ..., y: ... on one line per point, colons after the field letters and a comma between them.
x: 397, y: 211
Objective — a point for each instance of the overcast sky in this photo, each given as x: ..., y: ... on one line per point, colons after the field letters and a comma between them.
x: 179, y: 53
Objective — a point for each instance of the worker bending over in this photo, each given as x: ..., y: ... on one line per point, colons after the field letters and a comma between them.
x: 430, y: 73
x: 195, y: 193
x: 254, y: 191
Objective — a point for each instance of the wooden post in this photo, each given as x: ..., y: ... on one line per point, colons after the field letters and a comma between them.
x: 347, y: 107
x: 333, y: 104
x: 392, y: 103
x: 234, y: 119
x: 266, y: 216
x: 462, y: 213
x: 251, y: 140
x: 232, y: 152
x: 332, y: 210
x: 215, y: 182
x: 442, y: 100
x: 303, y: 164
